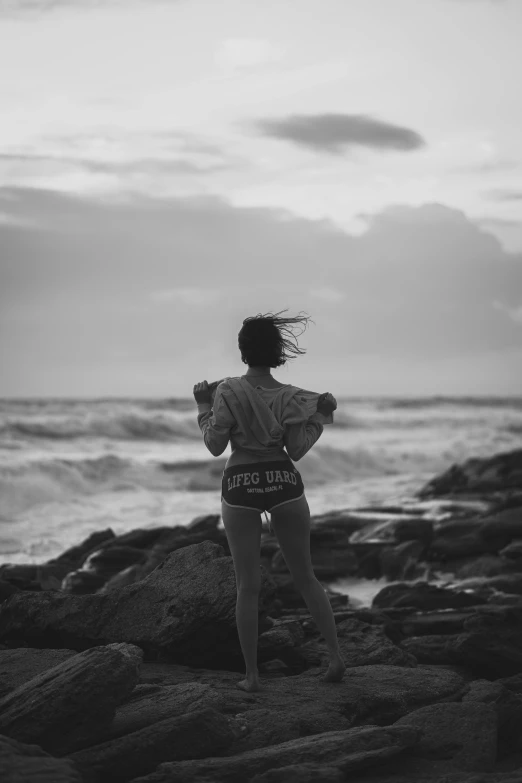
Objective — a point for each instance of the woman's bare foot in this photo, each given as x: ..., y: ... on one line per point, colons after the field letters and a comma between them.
x: 335, y: 671
x: 249, y: 684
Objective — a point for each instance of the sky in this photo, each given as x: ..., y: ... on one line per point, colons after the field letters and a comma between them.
x: 168, y: 169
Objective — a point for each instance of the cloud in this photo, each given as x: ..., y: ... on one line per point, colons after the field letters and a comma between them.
x: 238, y: 53
x: 137, y: 274
x: 333, y: 133
x: 497, y: 222
x: 489, y: 167
x: 503, y: 194
x: 191, y: 296
x: 21, y: 7
x: 31, y: 164
x: 327, y: 294
x: 514, y: 313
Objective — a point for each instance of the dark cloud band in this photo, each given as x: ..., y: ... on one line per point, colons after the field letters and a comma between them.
x: 333, y: 133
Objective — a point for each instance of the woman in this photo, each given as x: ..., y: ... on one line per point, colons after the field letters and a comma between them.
x: 268, y: 424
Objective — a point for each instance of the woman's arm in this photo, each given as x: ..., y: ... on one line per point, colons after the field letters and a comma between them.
x: 213, y: 422
x: 216, y: 436
x: 299, y: 438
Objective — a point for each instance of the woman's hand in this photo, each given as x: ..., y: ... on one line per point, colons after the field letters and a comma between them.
x: 326, y: 404
x: 202, y: 393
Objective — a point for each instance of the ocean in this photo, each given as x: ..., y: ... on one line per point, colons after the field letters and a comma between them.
x: 71, y: 467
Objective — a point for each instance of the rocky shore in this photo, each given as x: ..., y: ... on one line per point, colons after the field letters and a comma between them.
x: 119, y: 658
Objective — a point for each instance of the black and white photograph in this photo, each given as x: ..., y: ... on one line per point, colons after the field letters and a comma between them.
x: 260, y: 391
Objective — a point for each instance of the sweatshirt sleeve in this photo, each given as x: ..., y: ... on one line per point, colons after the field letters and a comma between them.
x: 215, y: 423
x: 301, y: 432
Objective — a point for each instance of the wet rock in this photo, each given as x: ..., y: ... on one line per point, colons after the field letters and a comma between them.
x: 196, y: 735
x: 7, y: 589
x: 130, y: 557
x: 21, y: 763
x: 205, y: 524
x: 485, y: 565
x: 22, y: 664
x: 158, y: 702
x: 445, y: 621
x: 74, y: 556
x: 291, y: 599
x: 265, y: 727
x: 500, y: 472
x: 100, y: 566
x: 283, y: 634
x: 332, y: 561
x: 184, y: 609
x: 435, y: 649
x: 464, y: 735
x: 446, y: 548
x: 502, y: 527
x: 30, y: 576
x: 377, y: 694
x: 491, y: 645
x: 346, y: 522
x: 274, y: 668
x: 395, y: 531
x: 505, y: 583
x: 422, y: 595
x: 402, y: 561
x: 70, y: 706
x: 301, y: 773
x: 348, y: 751
x: 361, y: 644
x: 513, y: 683
x: 513, y: 552
x: 507, y: 705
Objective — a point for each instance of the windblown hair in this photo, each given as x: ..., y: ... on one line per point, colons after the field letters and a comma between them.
x: 268, y: 340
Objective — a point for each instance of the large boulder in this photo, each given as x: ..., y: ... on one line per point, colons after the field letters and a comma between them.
x: 148, y: 704
x: 23, y: 663
x: 184, y: 609
x: 491, y: 644
x: 350, y: 750
x: 500, y: 528
x: 491, y: 474
x: 422, y: 595
x: 21, y: 763
x: 362, y: 644
x: 507, y: 705
x: 71, y: 705
x: 464, y: 735
x: 196, y: 735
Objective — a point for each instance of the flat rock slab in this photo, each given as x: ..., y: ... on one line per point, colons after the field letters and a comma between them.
x: 376, y: 694
x: 350, y: 750
x: 490, y: 474
x: 423, y: 595
x: 185, y: 608
x: 196, y: 735
x: 72, y: 704
x: 301, y: 773
x: 362, y: 644
x: 160, y: 702
x: 491, y: 645
x: 21, y: 763
x: 464, y: 735
x: 23, y: 663
x: 433, y: 649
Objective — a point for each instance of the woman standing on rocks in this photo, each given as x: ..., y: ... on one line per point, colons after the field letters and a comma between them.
x: 268, y: 424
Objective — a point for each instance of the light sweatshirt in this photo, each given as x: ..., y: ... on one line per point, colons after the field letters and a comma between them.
x: 261, y: 421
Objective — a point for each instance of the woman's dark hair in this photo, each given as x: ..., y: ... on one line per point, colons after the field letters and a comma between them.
x: 268, y: 340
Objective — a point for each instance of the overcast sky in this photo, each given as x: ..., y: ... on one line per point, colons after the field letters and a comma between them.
x: 170, y: 168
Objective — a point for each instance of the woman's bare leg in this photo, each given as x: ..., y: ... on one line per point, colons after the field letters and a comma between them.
x: 291, y: 523
x: 243, y: 529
